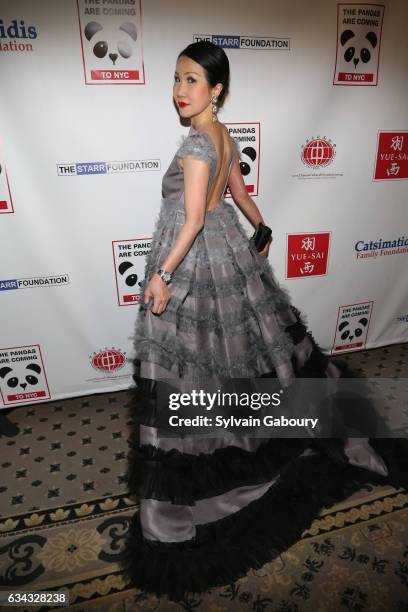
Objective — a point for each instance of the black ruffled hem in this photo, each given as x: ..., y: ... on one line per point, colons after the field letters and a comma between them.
x: 183, y: 478
x: 225, y: 550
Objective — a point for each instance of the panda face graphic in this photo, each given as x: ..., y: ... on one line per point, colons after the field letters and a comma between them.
x: 248, y: 156
x: 349, y: 332
x: 129, y: 276
x: 111, y: 43
x: 29, y: 377
x: 355, y: 49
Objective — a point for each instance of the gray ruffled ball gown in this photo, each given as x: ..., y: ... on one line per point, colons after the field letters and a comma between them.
x: 211, y: 508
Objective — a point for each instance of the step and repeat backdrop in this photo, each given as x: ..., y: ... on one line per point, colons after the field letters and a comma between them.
x: 88, y: 127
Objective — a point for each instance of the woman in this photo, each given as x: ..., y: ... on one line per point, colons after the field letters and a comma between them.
x: 213, y: 507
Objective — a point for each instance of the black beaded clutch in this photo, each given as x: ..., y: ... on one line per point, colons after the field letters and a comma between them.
x: 261, y: 236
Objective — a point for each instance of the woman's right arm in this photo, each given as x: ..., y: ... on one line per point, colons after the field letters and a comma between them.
x: 241, y: 196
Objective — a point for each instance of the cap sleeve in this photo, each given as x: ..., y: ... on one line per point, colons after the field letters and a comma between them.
x: 198, y: 147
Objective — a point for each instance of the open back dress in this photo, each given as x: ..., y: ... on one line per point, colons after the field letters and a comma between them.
x: 211, y: 508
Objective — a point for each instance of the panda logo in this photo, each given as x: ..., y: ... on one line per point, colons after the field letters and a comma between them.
x: 250, y: 156
x: 348, y: 333
x: 363, y: 53
x: 30, y: 377
x: 120, y: 44
x: 132, y: 278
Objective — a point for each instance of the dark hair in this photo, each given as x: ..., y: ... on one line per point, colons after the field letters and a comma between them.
x: 215, y: 62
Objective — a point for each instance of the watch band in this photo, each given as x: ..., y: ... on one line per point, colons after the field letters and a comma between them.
x: 166, y: 276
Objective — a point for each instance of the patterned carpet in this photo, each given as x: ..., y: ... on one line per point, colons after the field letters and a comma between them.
x: 64, y: 511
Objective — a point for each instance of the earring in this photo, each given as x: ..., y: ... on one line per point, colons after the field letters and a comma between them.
x: 214, y: 101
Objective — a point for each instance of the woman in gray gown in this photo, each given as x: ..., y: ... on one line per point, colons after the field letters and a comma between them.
x: 212, y: 507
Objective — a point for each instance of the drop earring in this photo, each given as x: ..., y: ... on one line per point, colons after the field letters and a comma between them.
x: 214, y: 101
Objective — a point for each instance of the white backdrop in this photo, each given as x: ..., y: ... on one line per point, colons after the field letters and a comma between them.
x: 88, y: 128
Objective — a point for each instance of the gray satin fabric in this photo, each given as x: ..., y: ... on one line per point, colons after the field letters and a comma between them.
x: 169, y: 522
x: 173, y: 183
x: 166, y: 522
x: 202, y: 148
x: 361, y: 454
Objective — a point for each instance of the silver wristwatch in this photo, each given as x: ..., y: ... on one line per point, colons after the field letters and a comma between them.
x: 166, y: 276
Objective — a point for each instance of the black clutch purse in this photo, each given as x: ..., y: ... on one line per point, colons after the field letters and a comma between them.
x: 261, y: 236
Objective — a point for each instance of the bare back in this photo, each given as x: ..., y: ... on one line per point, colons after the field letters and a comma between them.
x: 218, y: 149
x: 224, y: 149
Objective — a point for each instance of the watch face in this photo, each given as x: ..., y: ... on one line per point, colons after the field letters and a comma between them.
x: 166, y: 276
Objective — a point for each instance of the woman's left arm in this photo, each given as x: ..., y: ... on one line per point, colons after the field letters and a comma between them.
x: 196, y: 176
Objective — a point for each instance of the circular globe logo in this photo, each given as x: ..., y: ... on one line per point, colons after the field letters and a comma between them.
x: 318, y: 152
x: 108, y: 360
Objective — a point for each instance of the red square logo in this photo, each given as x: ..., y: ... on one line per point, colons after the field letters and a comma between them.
x: 307, y: 254
x: 392, y: 156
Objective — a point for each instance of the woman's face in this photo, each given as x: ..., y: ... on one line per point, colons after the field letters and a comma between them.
x: 191, y: 91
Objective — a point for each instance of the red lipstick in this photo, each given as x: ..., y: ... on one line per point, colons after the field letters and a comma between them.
x: 182, y: 104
